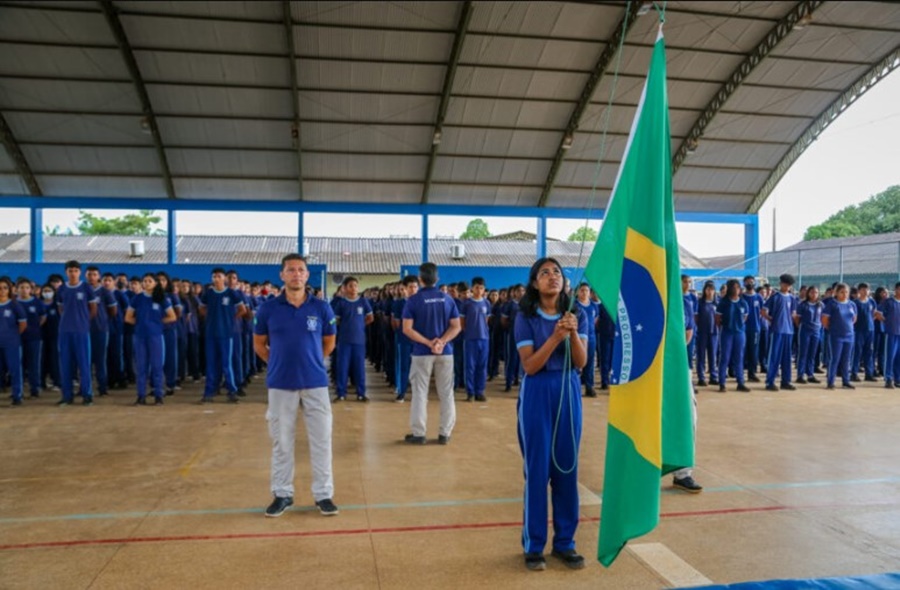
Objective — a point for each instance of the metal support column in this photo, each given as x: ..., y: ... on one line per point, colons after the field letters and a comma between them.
x: 841, y: 254
x: 172, y: 238
x: 751, y: 246
x: 301, y: 237
x: 799, y: 268
x: 541, y: 237
x: 424, y: 238
x: 37, y: 235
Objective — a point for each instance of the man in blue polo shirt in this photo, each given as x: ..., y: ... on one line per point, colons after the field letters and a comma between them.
x: 431, y: 322
x: 780, y: 309
x: 294, y: 333
x: 77, y: 307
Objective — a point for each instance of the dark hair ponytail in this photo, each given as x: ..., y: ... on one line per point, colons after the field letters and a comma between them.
x: 158, y: 294
x: 531, y: 301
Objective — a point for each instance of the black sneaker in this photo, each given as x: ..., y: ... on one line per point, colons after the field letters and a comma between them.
x: 801, y: 380
x: 788, y: 387
x: 743, y: 389
x: 241, y: 392
x: 829, y: 386
x: 339, y: 398
x: 17, y: 402
x: 88, y: 401
x: 233, y: 398
x: 716, y: 381
x: 591, y: 393
x: 412, y: 439
x: 772, y: 388
x: 443, y: 440
x: 170, y: 392
x: 400, y: 399
x: 103, y: 393
x: 819, y: 371
x: 535, y: 562
x: 470, y: 398
x: 753, y: 379
x: 722, y: 388
x: 507, y: 390
x: 854, y: 378
x: 278, y: 506
x: 848, y: 386
x: 813, y: 380
x: 702, y: 383
x: 207, y: 399
x: 889, y: 385
x: 158, y: 401
x: 871, y: 379
x: 62, y: 403
x: 140, y: 402
x: 480, y: 398
x: 35, y: 394
x: 687, y: 484
x: 572, y: 560
x: 327, y: 508
x: 362, y: 398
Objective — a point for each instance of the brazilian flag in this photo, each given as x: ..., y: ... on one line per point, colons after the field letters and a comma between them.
x: 635, y: 270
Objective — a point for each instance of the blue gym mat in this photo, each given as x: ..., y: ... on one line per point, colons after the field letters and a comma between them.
x: 880, y: 582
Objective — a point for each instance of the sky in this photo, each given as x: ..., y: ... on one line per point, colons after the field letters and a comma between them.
x: 856, y: 157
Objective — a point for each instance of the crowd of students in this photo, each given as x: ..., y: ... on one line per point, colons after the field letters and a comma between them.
x: 164, y: 331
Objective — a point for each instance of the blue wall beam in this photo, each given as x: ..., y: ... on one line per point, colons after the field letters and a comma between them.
x: 541, y: 237
x: 172, y: 253
x: 352, y: 208
x: 301, y: 234
x: 424, y: 238
x: 751, y: 246
x: 37, y: 235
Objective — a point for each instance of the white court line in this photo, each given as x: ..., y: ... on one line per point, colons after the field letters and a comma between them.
x: 586, y: 497
x: 673, y: 570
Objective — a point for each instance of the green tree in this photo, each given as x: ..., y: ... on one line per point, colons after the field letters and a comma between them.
x: 584, y: 234
x: 879, y: 214
x: 133, y: 224
x: 476, y: 230
x: 57, y: 231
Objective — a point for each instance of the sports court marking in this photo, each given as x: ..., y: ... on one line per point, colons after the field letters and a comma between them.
x: 673, y: 570
x: 586, y: 497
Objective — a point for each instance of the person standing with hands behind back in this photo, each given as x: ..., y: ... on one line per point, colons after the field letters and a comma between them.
x: 294, y: 333
x: 549, y: 409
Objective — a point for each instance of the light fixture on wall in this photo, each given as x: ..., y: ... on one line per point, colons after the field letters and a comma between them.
x: 803, y: 22
x: 692, y: 145
x: 644, y: 8
x: 436, y: 139
x: 145, y: 125
x: 567, y: 141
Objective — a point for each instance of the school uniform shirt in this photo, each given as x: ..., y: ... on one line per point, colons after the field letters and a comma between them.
x: 733, y: 314
x: 476, y: 312
x: 75, y: 315
x: 754, y: 305
x: 295, y: 341
x: 865, y: 311
x: 105, y: 300
x: 149, y: 314
x: 35, y: 311
x: 706, y: 316
x: 431, y: 312
x: 51, y: 326
x: 510, y: 311
x: 890, y: 309
x: 12, y: 315
x: 810, y: 316
x: 535, y: 330
x: 689, y: 310
x: 781, y: 309
x: 606, y: 327
x: 397, y: 314
x: 117, y: 323
x: 591, y: 312
x: 221, y: 307
x: 351, y: 319
x: 840, y: 318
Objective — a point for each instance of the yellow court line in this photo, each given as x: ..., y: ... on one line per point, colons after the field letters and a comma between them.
x: 186, y: 468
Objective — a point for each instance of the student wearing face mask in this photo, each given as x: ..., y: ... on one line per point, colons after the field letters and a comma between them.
x: 809, y: 320
x: 707, y: 337
x: 839, y: 319
x: 50, y: 339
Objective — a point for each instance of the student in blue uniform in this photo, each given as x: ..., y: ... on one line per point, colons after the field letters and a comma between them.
x: 134, y: 289
x: 497, y: 299
x: 591, y: 310
x: 77, y: 307
x: 106, y: 308
x: 459, y: 352
x: 864, y: 342
x: 32, y: 339
x: 148, y: 313
x: 838, y: 319
x: 889, y: 314
x: 353, y: 313
x: 779, y: 310
x: 753, y: 327
x: 810, y: 322
x: 115, y: 350
x: 474, y: 318
x: 692, y: 299
x: 513, y: 366
x: 881, y: 295
x: 219, y: 306
x: 409, y: 286
x: 13, y: 323
x: 731, y: 317
x: 606, y: 341
x: 237, y: 330
x: 707, y: 337
x: 50, y: 339
x: 170, y: 335
x: 549, y: 412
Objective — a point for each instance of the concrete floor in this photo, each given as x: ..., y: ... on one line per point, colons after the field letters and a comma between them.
x: 803, y: 484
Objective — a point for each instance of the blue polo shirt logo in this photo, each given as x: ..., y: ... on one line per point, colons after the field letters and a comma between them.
x: 359, y: 310
x: 7, y: 313
x: 32, y: 309
x: 156, y: 307
x: 226, y: 300
x: 79, y: 296
x: 312, y: 323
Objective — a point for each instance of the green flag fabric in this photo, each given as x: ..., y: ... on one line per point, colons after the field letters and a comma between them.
x: 635, y: 270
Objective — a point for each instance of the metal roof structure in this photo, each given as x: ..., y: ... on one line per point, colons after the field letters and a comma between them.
x: 462, y: 103
x: 365, y: 256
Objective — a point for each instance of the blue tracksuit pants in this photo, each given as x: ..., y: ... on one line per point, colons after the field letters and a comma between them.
x: 99, y: 342
x: 31, y: 361
x: 403, y: 360
x: 863, y: 352
x: 218, y: 364
x: 170, y: 360
x: 75, y: 353
x: 587, y: 374
x: 476, y: 354
x: 779, y: 358
x: 538, y: 406
x: 459, y: 363
x: 149, y: 354
x: 733, y: 344
x: 351, y: 359
x: 237, y: 358
x: 809, y: 346
x: 751, y: 354
x: 513, y: 361
x: 605, y: 348
x: 841, y: 356
x: 11, y: 361
x: 115, y: 357
x: 891, y: 357
x: 707, y: 349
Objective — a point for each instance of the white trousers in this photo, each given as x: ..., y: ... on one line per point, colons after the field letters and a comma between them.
x: 282, y: 418
x: 689, y: 471
x: 420, y: 378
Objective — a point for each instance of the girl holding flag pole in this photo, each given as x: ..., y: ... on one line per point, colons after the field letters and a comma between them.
x: 551, y: 343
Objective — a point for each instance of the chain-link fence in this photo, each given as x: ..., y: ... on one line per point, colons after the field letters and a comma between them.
x: 876, y: 264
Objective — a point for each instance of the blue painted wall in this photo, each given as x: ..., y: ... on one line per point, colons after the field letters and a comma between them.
x: 195, y: 272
